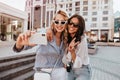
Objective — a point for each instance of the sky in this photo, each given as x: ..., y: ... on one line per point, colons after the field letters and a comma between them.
x: 20, y: 4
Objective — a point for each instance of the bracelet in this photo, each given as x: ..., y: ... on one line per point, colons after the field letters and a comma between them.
x: 16, y: 49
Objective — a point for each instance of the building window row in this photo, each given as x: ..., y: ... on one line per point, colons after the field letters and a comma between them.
x: 77, y: 3
x: 85, y: 2
x: 105, y: 18
x: 94, y: 25
x: 105, y: 24
x: 94, y: 13
x: 94, y: 3
x: 77, y: 9
x: 94, y: 19
x: 105, y: 12
x: 106, y: 1
x: 85, y: 13
x: 85, y: 8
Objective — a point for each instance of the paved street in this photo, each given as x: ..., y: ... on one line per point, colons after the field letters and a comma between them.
x: 105, y: 63
x: 6, y: 49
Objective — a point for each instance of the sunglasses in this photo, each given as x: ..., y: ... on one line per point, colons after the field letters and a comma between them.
x: 74, y: 25
x: 60, y: 22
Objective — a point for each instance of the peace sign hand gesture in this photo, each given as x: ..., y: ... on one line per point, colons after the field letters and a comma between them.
x: 72, y: 45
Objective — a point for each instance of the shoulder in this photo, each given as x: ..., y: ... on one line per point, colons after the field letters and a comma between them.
x: 83, y: 37
x: 83, y: 40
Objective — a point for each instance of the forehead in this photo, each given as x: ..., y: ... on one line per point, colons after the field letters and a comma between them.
x: 59, y: 17
x: 75, y: 20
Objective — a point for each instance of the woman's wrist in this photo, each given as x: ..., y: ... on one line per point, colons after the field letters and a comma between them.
x: 16, y: 49
x: 18, y: 46
x: 73, y: 56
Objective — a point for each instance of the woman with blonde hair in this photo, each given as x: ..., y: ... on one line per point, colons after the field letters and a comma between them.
x: 48, y: 57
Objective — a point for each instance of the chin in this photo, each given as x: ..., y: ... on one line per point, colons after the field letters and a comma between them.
x: 60, y: 30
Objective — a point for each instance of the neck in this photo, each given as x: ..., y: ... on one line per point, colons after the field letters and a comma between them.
x: 72, y: 35
x: 58, y: 35
x: 58, y: 38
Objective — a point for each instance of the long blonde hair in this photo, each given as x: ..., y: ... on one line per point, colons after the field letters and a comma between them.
x: 64, y: 33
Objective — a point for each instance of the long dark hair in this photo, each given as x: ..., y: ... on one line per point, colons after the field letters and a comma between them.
x: 80, y: 30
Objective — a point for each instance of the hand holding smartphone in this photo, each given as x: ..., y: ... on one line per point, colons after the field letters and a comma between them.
x: 38, y: 38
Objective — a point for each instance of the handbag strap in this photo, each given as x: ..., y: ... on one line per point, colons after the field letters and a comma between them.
x: 53, y: 67
x: 55, y: 64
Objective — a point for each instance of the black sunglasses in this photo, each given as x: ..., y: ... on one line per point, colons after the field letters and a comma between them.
x: 59, y: 22
x: 74, y: 25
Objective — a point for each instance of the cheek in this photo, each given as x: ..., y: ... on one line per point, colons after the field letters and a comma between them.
x: 76, y: 30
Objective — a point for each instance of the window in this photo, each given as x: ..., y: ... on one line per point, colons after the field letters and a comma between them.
x: 94, y: 19
x: 105, y: 7
x: 106, y: 1
x: 94, y: 2
x: 94, y: 25
x: 85, y: 8
x: 70, y: 5
x: 105, y: 12
x: 77, y: 4
x: 70, y: 9
x: 94, y: 13
x: 61, y: 5
x: 85, y: 13
x: 85, y: 2
x: 105, y: 24
x: 77, y: 9
x: 105, y: 18
x: 94, y: 7
x: 70, y: 14
x: 37, y: 8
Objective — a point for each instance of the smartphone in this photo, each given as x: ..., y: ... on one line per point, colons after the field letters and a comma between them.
x: 38, y: 38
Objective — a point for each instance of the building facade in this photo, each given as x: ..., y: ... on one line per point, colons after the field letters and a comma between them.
x: 98, y: 14
x: 117, y: 21
x: 12, y: 22
x: 40, y: 13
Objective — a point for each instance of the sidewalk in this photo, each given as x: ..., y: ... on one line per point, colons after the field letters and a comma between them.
x: 106, y: 63
x: 6, y: 43
x: 117, y: 44
x: 6, y: 49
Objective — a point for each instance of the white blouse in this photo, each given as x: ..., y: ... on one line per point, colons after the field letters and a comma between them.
x: 82, y: 57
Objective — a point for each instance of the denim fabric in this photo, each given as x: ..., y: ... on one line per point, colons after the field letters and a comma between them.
x: 83, y: 73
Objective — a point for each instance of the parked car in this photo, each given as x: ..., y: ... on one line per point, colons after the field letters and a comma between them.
x: 92, y: 48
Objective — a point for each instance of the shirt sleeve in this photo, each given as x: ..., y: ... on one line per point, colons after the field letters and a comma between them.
x: 19, y: 50
x: 67, y: 58
x: 81, y: 53
x: 77, y: 63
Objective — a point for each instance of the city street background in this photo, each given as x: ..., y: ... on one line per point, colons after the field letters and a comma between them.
x: 105, y: 63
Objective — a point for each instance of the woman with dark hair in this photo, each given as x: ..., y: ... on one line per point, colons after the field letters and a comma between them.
x: 76, y: 58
